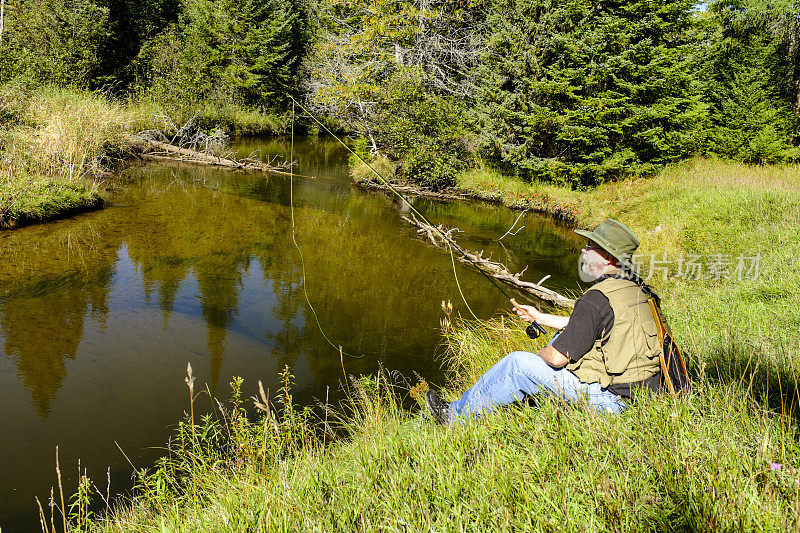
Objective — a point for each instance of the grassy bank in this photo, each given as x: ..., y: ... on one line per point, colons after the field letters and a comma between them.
x: 726, y: 457
x: 720, y: 216
x: 233, y: 119
x: 57, y: 145
x: 51, y: 142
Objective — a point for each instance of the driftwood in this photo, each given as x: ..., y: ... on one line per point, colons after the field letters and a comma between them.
x: 409, y: 189
x: 492, y: 268
x: 160, y: 150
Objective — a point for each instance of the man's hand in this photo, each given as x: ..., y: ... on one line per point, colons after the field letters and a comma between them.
x: 527, y: 313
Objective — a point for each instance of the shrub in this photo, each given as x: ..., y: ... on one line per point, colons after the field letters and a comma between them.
x: 382, y: 164
x: 425, y: 131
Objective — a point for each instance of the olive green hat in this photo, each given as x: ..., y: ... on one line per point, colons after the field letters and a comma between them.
x: 615, y: 238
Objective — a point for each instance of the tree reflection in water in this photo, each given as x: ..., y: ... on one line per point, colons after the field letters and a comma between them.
x: 100, y: 313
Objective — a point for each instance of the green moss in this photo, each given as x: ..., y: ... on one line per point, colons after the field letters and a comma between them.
x: 36, y: 199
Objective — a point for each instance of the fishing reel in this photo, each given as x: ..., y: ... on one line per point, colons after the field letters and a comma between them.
x: 534, y: 330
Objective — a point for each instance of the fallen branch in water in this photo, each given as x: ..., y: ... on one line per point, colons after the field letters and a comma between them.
x: 494, y: 269
x: 192, y: 145
x: 511, y: 229
x: 159, y: 150
x: 409, y: 189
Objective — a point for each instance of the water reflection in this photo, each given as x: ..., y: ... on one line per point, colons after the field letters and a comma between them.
x: 99, y: 314
x: 47, y: 330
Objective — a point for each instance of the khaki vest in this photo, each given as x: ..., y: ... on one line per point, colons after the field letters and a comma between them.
x: 630, y: 351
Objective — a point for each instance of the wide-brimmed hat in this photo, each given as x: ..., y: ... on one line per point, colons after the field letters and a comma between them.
x: 615, y: 238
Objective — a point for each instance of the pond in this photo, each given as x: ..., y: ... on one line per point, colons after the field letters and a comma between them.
x: 100, y: 313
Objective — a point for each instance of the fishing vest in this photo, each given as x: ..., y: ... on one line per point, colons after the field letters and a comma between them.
x: 630, y: 351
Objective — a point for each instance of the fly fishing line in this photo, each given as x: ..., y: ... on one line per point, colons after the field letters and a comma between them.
x: 533, y: 330
x: 294, y: 240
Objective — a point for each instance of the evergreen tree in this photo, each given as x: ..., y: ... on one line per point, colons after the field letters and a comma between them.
x: 582, y: 91
x: 244, y: 51
x: 750, y: 86
x: 132, y: 24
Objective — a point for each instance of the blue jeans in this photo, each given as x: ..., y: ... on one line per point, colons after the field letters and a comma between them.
x: 520, y: 374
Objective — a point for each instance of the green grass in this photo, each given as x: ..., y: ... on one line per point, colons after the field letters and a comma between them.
x: 26, y: 199
x: 715, y: 210
x: 53, y: 142
x: 701, y: 462
x: 697, y: 464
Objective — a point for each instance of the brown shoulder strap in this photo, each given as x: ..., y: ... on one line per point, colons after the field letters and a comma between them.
x: 672, y: 365
x: 661, y: 354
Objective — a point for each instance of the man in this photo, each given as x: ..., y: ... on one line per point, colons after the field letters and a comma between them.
x: 607, y: 347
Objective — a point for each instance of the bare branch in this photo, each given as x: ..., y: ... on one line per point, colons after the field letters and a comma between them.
x: 2, y: 18
x: 514, y: 224
x: 496, y: 270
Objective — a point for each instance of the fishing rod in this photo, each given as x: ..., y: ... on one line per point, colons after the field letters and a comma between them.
x: 534, y: 330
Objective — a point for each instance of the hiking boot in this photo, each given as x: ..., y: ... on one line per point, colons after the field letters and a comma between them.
x: 437, y: 408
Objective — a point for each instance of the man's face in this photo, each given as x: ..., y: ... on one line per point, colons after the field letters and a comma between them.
x: 593, y: 260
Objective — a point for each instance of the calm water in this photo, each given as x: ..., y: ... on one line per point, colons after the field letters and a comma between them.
x: 100, y: 313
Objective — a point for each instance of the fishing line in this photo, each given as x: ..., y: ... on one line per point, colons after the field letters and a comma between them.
x: 534, y: 327
x: 453, y: 260
x: 444, y: 236
x: 294, y: 240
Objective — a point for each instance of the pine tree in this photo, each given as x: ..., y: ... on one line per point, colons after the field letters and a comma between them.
x: 581, y: 92
x: 243, y: 51
x: 749, y: 80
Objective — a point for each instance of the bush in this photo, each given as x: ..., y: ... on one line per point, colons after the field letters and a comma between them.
x: 54, y: 41
x: 380, y: 163
x: 427, y: 132
x: 432, y: 167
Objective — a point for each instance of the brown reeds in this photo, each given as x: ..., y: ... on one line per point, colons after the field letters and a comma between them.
x: 190, y: 383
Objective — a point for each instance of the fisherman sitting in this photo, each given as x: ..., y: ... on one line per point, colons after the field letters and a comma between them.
x: 606, y: 348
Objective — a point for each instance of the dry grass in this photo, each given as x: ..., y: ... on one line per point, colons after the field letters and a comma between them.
x: 74, y: 134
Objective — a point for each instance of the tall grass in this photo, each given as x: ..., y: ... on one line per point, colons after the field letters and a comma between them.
x: 61, y: 133
x: 76, y: 133
x: 53, y: 142
x: 167, y: 116
x: 698, y: 463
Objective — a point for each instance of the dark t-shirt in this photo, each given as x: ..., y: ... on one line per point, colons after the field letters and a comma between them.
x: 590, y: 320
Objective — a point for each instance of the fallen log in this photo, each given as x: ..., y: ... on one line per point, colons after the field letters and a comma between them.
x: 159, y: 149
x: 408, y: 189
x: 492, y: 268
